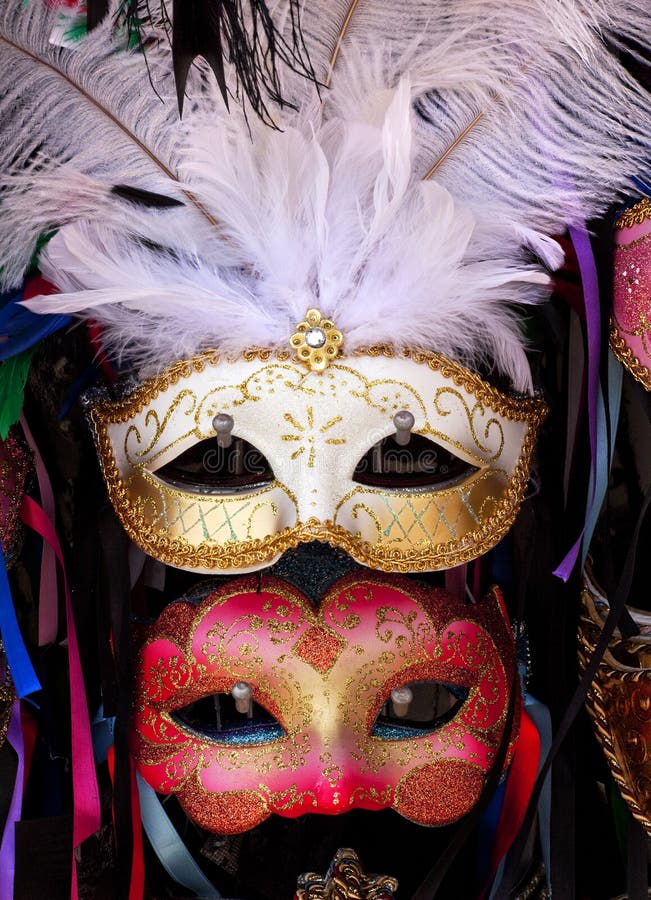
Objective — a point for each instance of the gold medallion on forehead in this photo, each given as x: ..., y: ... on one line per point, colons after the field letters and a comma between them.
x: 316, y: 341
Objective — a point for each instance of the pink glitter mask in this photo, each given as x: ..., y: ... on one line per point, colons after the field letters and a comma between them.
x: 331, y: 730
x: 630, y: 335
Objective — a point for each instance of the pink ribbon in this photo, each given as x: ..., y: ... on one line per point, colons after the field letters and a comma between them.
x: 86, y: 806
x: 48, y: 594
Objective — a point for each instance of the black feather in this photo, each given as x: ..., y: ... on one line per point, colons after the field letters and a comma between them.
x: 239, y: 33
x: 144, y: 198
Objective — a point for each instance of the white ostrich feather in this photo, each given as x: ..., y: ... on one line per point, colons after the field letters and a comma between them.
x: 75, y: 122
x: 326, y: 216
x: 517, y: 110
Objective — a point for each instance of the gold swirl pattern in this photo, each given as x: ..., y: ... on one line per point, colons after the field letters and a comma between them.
x: 314, y: 428
x: 635, y: 215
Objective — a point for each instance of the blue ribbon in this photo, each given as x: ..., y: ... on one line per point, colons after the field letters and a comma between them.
x: 168, y: 846
x: 488, y: 828
x: 604, y: 455
x: 163, y: 837
x: 20, y: 665
x: 24, y: 328
x: 102, y: 730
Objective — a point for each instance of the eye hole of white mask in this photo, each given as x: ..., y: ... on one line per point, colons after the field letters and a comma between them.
x: 217, y: 718
x: 207, y: 468
x: 417, y: 708
x: 420, y: 464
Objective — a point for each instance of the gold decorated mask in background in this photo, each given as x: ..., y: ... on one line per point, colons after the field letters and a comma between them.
x: 619, y: 701
x: 307, y: 443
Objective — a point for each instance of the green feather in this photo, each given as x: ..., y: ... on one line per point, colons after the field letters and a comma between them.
x: 13, y: 377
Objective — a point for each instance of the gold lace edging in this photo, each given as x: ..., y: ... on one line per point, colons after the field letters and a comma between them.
x: 517, y: 409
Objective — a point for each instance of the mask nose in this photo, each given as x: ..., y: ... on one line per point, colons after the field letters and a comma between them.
x: 313, y: 567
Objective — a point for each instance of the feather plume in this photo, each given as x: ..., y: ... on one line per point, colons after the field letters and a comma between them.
x: 521, y: 103
x: 322, y: 216
x: 517, y: 109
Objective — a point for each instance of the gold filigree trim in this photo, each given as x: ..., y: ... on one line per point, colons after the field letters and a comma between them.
x: 516, y: 408
x: 635, y: 215
x: 345, y: 880
x: 596, y: 702
x: 626, y: 357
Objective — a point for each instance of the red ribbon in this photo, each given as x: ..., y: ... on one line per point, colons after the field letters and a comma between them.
x: 519, y: 784
x: 137, y: 882
x: 86, y: 807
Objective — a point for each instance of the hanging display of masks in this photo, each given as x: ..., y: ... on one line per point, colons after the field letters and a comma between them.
x: 311, y: 249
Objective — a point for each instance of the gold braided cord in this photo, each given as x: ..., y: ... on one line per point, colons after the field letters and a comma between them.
x: 627, y: 358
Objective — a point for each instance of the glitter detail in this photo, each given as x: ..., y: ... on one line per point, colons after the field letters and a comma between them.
x: 449, y: 788
x: 313, y: 567
x: 398, y: 732
x: 236, y: 811
x: 7, y: 700
x: 15, y: 464
x: 320, y: 648
x: 244, y: 735
x: 632, y: 286
x: 630, y: 332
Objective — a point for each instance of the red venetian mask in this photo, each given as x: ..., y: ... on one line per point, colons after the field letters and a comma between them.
x: 334, y: 729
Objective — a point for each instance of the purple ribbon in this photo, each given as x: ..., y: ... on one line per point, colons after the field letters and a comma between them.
x: 8, y: 845
x: 590, y: 282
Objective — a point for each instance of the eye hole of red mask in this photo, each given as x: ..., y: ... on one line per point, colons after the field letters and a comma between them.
x: 217, y: 718
x: 418, y: 708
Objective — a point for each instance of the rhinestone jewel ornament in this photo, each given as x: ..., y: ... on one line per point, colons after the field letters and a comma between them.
x: 316, y: 341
